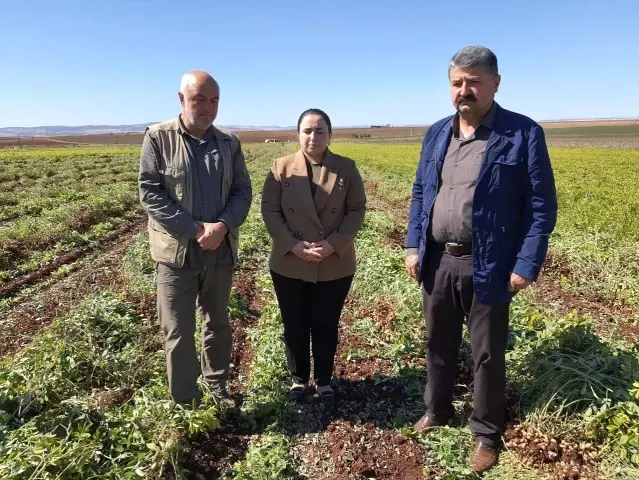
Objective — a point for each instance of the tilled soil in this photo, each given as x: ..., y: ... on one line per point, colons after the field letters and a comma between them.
x: 245, y: 285
x: 364, y: 451
x: 95, y: 273
x: 206, y: 456
x: 356, y: 439
x: 14, y: 285
x: 606, y: 312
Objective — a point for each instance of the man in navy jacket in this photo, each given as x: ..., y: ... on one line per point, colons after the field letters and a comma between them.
x: 483, y: 206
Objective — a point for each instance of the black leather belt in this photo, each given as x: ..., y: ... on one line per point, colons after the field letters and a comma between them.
x: 454, y: 249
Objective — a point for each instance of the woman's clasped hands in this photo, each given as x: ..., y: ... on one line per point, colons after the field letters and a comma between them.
x: 312, y: 251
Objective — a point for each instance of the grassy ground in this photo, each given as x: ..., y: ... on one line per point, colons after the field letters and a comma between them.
x: 55, y: 200
x: 596, y: 242
x: 87, y: 399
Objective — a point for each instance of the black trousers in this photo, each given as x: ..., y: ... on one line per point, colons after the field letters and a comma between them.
x: 449, y: 299
x: 310, y: 310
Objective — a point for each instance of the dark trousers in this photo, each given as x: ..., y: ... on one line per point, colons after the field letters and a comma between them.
x: 310, y: 311
x: 449, y: 299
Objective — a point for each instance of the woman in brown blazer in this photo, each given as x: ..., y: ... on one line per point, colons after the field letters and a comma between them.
x: 313, y: 205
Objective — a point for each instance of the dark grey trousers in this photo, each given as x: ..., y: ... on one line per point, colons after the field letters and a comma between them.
x: 449, y: 299
x: 179, y: 291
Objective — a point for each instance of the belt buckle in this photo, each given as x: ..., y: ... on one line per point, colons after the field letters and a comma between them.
x: 451, y: 247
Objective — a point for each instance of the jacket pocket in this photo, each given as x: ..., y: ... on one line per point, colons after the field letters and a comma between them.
x: 508, y: 242
x: 510, y: 158
x: 163, y: 245
x: 174, y: 180
x: 505, y: 174
x: 504, y: 236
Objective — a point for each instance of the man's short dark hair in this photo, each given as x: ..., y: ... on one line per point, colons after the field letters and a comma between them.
x: 475, y: 56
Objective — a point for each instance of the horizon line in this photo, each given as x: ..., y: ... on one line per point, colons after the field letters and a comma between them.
x: 293, y: 127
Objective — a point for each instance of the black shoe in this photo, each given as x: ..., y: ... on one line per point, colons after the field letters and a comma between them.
x: 297, y: 393
x: 327, y: 397
x: 221, y: 398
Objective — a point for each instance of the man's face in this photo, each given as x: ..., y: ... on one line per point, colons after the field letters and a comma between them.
x: 472, y: 90
x: 200, y: 103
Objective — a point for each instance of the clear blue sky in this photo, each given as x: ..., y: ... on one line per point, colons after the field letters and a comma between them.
x: 118, y: 62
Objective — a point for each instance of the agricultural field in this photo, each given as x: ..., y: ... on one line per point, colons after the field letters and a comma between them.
x: 82, y: 383
x: 58, y: 203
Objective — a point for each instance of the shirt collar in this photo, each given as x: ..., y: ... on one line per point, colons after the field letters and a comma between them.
x: 487, y: 120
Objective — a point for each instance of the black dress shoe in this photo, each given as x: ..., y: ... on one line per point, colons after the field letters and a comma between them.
x: 297, y: 393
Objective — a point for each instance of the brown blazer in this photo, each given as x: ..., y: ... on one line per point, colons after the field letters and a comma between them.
x: 291, y: 215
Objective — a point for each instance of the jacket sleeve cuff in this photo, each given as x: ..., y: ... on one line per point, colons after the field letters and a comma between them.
x: 339, y: 244
x: 526, y: 270
x: 194, y: 228
x: 227, y: 220
x: 412, y: 251
x: 288, y: 243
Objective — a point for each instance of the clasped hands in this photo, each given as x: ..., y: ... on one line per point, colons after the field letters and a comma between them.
x: 211, y: 235
x: 313, y: 252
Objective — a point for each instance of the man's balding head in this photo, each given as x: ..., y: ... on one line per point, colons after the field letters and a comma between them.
x: 199, y: 95
x: 196, y: 78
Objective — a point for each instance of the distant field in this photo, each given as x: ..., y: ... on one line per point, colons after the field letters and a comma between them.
x: 612, y: 133
x: 593, y: 131
x: 245, y: 136
x: 64, y: 141
x: 601, y: 136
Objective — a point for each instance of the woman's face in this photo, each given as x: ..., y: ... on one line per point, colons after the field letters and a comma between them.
x: 314, y: 136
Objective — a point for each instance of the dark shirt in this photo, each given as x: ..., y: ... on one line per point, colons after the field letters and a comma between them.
x: 314, y: 170
x: 453, y: 208
x: 207, y: 198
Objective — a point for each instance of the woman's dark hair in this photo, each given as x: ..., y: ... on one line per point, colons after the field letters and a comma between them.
x: 315, y: 111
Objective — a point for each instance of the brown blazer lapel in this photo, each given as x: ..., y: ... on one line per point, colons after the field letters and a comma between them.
x: 328, y: 176
x: 300, y: 181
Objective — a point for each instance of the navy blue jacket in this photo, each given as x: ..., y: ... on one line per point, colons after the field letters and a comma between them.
x: 514, y: 204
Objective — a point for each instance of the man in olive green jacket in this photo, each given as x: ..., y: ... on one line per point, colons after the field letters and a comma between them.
x: 196, y: 190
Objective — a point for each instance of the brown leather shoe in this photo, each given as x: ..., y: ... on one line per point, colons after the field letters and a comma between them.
x: 428, y: 422
x: 484, y: 457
